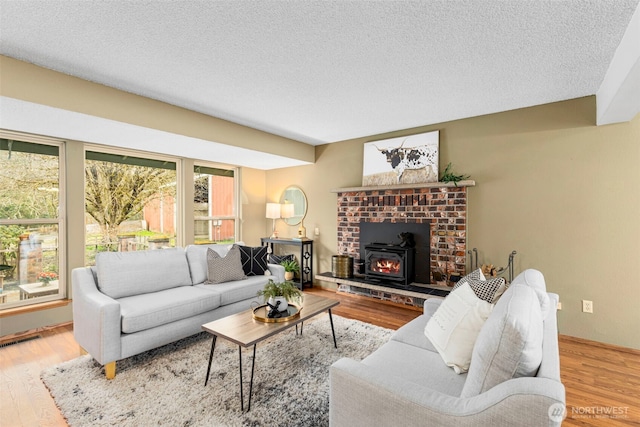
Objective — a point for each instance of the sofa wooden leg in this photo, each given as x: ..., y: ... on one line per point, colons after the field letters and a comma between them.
x: 110, y: 370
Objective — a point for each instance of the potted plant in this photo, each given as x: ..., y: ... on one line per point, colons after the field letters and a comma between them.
x: 291, y: 267
x: 283, y: 292
x: 47, y: 277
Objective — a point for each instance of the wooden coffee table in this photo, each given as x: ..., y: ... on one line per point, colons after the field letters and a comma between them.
x: 245, y: 331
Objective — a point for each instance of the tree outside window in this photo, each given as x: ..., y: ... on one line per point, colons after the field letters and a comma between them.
x: 130, y: 203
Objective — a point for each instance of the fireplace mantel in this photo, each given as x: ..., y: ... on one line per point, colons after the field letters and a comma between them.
x: 466, y: 183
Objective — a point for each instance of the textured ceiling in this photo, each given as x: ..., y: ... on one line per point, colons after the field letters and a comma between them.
x: 325, y: 71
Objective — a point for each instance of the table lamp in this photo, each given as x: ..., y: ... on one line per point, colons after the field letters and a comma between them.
x: 273, y: 212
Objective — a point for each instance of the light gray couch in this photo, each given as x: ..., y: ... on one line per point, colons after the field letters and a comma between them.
x: 406, y: 382
x: 131, y: 302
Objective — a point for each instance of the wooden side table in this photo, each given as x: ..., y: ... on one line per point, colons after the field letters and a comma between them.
x: 306, y: 256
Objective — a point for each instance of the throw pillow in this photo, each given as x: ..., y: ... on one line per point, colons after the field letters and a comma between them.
x: 455, y: 325
x: 487, y: 290
x: 510, y: 343
x: 224, y: 269
x: 254, y: 260
x: 277, y: 259
x: 475, y: 274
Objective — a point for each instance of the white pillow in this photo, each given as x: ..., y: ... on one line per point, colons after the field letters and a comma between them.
x: 454, y: 327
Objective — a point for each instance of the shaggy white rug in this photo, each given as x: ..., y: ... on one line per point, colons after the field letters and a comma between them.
x: 165, y: 386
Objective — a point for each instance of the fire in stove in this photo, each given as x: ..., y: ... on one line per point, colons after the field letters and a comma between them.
x: 387, y: 266
x: 389, y: 263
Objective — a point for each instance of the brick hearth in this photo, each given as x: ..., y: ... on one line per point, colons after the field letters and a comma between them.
x: 443, y: 206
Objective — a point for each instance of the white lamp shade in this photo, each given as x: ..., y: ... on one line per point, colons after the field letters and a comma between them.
x: 273, y: 210
x: 286, y: 210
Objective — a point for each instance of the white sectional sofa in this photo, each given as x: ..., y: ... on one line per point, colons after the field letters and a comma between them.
x: 131, y: 302
x: 406, y: 382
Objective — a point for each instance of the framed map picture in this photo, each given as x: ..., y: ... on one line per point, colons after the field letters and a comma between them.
x: 405, y: 160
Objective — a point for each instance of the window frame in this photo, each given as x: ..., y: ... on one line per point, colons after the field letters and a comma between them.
x: 236, y: 197
x: 118, y: 151
x: 60, y: 220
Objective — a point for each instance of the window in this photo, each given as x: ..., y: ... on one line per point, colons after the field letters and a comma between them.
x: 215, y: 204
x: 130, y: 203
x: 31, y: 221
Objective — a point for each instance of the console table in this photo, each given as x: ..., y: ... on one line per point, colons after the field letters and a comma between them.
x: 306, y: 256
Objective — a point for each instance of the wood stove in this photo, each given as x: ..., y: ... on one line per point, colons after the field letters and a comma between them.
x: 390, y: 238
x: 390, y: 263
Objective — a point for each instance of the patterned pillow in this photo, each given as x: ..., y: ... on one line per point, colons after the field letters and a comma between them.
x: 487, y: 290
x: 277, y: 259
x: 254, y: 260
x: 475, y: 274
x: 224, y: 269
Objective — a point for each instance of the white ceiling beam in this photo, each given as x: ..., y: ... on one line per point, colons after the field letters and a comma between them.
x: 618, y: 98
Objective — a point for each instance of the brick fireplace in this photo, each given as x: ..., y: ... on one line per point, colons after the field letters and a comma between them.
x: 442, y: 206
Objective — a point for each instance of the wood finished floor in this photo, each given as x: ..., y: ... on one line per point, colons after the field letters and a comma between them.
x: 597, y: 377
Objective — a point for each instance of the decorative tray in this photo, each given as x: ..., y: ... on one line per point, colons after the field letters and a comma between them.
x: 260, y: 313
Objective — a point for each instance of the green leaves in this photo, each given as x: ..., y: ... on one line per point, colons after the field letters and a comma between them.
x: 290, y: 265
x: 285, y: 289
x: 449, y: 176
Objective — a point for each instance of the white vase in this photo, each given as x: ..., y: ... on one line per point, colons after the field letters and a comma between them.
x: 283, y: 303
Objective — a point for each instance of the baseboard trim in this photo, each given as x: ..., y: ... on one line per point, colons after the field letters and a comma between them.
x: 599, y: 344
x: 31, y: 332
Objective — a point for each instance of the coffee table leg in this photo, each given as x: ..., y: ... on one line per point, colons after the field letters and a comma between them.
x: 335, y: 344
x: 241, y: 395
x: 253, y: 364
x: 213, y: 346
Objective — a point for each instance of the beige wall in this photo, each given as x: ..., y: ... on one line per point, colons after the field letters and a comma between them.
x: 254, y: 225
x: 562, y: 192
x: 31, y: 83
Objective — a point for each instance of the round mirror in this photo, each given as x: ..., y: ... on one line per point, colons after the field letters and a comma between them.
x: 293, y: 196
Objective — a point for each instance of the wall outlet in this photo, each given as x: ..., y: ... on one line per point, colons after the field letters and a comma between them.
x: 587, y: 306
x: 559, y: 305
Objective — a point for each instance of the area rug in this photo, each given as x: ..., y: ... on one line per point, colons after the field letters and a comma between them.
x: 165, y: 386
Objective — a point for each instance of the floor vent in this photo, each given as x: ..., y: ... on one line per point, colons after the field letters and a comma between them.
x: 19, y: 340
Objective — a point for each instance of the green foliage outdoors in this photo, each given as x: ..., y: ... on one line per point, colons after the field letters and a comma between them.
x: 9, y: 243
x: 28, y: 185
